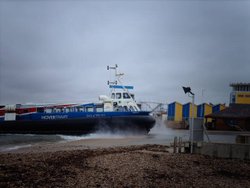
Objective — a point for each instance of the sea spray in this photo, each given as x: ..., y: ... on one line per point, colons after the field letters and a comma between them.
x: 98, y: 135
x: 161, y: 131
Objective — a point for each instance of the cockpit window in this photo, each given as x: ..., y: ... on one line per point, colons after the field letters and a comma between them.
x: 113, y: 96
x: 133, y: 96
x: 118, y: 95
x: 126, y: 96
x: 89, y: 109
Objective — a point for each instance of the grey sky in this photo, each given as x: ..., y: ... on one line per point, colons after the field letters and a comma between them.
x: 55, y: 51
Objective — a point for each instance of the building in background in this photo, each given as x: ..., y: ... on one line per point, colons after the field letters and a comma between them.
x: 219, y: 117
x: 180, y: 114
x: 218, y: 107
x: 187, y: 111
x: 240, y: 93
x: 237, y: 115
x: 203, y: 110
x: 174, y: 119
x: 175, y: 111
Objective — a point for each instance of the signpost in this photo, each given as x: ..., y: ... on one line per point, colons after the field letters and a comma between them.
x: 191, y: 94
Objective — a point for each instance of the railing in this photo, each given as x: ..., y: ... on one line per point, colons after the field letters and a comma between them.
x: 153, y: 106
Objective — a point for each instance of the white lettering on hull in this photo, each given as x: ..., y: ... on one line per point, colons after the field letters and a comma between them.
x: 96, y: 115
x: 50, y: 117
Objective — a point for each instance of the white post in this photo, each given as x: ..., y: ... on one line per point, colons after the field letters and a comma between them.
x: 192, y: 126
x: 191, y: 130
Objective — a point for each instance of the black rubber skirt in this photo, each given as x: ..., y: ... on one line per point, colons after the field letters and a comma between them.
x: 128, y: 124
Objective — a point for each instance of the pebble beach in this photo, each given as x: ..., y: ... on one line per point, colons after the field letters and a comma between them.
x: 73, y: 164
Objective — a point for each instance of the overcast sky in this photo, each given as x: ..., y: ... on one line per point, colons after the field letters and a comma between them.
x: 55, y: 51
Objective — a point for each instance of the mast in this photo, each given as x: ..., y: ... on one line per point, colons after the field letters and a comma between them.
x: 117, y: 84
x: 118, y: 76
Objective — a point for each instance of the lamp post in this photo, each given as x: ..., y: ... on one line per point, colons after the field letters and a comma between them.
x: 191, y: 94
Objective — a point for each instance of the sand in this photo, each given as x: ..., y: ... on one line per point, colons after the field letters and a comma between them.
x: 75, y: 164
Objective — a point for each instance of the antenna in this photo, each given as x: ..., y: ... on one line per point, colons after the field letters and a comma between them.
x: 113, y: 86
x: 112, y: 83
x: 115, y: 67
x: 117, y: 75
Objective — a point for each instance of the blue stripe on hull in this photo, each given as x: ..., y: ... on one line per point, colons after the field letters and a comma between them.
x: 74, y: 115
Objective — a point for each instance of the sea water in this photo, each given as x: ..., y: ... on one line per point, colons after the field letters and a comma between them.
x: 10, y: 142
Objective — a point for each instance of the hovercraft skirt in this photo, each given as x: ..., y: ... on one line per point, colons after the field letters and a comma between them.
x: 131, y: 124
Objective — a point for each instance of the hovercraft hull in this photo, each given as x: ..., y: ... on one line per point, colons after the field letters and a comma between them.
x: 78, y: 126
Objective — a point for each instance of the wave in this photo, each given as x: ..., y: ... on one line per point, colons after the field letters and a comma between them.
x: 92, y: 136
x: 11, y: 148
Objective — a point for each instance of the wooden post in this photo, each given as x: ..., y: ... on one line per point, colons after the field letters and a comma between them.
x: 180, y: 145
x: 175, y: 144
